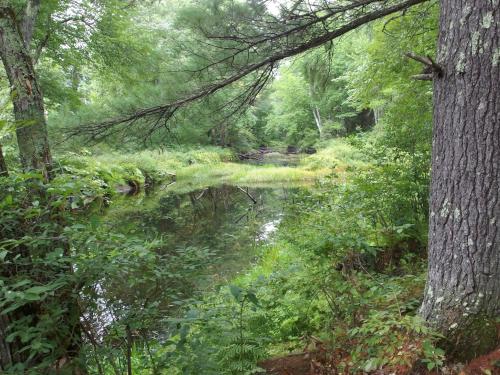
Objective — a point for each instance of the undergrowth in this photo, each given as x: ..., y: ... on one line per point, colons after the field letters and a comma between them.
x: 344, y: 275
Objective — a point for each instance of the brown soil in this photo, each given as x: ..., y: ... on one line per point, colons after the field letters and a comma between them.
x: 485, y: 365
x: 294, y: 364
x: 319, y: 363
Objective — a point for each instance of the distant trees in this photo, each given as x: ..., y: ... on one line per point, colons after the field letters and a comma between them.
x: 310, y: 99
x: 290, y: 118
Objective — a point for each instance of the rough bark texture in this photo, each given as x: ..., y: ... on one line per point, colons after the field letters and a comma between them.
x: 26, y: 95
x: 27, y: 23
x: 462, y: 295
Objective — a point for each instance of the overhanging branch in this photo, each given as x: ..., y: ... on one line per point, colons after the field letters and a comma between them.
x: 166, y: 111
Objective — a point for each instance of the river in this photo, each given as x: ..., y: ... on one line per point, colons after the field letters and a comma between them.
x: 207, y: 236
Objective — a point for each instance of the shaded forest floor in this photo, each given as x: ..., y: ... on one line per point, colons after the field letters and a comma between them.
x: 322, y: 363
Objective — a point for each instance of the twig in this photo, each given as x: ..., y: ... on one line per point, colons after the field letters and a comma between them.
x: 432, y: 67
x: 129, y: 350
x: 247, y: 194
x: 422, y: 77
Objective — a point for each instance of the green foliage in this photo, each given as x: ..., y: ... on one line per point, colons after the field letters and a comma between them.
x: 388, y: 340
x: 37, y: 285
x: 381, y: 79
x: 221, y: 339
x: 347, y: 266
x: 49, y: 253
x: 291, y: 118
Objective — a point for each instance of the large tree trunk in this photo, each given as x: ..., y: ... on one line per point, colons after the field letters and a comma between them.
x: 26, y: 94
x: 462, y: 295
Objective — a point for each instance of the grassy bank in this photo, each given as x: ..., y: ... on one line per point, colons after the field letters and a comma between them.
x: 201, y: 167
x: 112, y: 169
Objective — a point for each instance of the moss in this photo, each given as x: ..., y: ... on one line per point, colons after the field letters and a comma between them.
x: 471, y: 338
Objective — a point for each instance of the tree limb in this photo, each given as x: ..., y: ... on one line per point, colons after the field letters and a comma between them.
x: 101, y: 129
x: 422, y: 77
x: 428, y: 62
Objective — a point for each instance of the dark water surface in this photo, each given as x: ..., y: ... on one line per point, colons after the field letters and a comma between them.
x: 206, y: 237
x: 228, y: 221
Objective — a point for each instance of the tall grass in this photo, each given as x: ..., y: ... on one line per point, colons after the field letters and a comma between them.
x: 335, y: 154
x: 200, y: 167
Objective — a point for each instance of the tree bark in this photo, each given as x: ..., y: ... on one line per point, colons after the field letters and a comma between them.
x: 3, y: 166
x: 462, y: 296
x: 26, y: 95
x: 27, y: 24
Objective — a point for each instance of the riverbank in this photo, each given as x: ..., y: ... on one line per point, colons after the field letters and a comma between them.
x: 191, y: 276
x: 347, y: 262
x: 191, y: 169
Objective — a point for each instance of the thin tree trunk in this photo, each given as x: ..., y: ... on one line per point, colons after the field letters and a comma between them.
x: 462, y: 296
x: 377, y: 114
x: 26, y: 95
x: 3, y: 166
x: 7, y: 355
x: 129, y: 350
x: 317, y: 119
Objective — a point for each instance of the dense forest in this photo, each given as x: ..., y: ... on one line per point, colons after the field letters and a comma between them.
x: 250, y: 186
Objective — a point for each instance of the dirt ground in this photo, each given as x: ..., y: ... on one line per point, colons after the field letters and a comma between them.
x: 318, y: 364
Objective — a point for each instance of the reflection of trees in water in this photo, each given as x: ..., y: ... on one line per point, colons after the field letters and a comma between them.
x: 208, y: 235
x: 206, y: 210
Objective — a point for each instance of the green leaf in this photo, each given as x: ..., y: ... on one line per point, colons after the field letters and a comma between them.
x: 8, y: 199
x: 236, y: 292
x: 253, y: 298
x: 39, y: 289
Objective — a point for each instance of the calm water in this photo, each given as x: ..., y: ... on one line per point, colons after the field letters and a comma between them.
x: 207, y: 235
x: 228, y: 220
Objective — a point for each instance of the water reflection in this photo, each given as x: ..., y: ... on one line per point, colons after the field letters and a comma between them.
x: 207, y: 236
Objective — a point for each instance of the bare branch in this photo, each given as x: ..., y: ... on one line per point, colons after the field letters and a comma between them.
x: 421, y: 59
x: 427, y: 61
x: 422, y: 77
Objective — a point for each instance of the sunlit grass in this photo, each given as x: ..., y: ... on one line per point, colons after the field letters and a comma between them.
x: 336, y: 157
x: 199, y: 175
x: 336, y: 154
x: 209, y: 166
